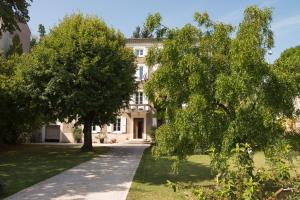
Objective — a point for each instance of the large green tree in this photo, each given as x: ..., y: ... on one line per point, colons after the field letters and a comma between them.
x: 11, y: 13
x: 82, y: 71
x: 19, y: 115
x: 216, y: 86
x: 287, y: 67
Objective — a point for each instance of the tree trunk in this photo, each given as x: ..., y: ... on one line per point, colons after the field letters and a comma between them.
x: 87, y: 131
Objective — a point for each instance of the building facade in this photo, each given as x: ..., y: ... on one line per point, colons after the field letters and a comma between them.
x: 134, y: 124
x: 24, y: 35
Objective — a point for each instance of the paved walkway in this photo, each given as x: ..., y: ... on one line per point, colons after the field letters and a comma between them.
x: 105, y: 177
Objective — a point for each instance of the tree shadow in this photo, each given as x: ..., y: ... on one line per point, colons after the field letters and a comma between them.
x: 104, y: 177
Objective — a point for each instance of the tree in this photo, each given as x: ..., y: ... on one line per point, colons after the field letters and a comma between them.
x: 11, y: 13
x: 33, y: 42
x: 288, y: 67
x: 15, y: 47
x: 142, y: 32
x: 145, y: 33
x: 83, y: 72
x: 41, y: 30
x: 232, y: 94
x: 42, y: 33
x: 153, y: 24
x: 137, y: 32
x: 19, y: 115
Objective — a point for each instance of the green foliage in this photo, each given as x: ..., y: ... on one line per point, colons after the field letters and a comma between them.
x: 11, y: 13
x: 77, y: 133
x: 229, y: 92
x: 238, y: 179
x: 288, y: 69
x: 280, y: 159
x: 41, y: 30
x: 141, y: 32
x: 153, y: 24
x: 15, y: 47
x: 82, y: 71
x: 20, y: 114
x: 33, y: 42
x: 137, y: 32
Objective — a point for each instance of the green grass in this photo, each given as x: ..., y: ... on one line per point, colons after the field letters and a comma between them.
x: 150, y: 179
x: 25, y: 165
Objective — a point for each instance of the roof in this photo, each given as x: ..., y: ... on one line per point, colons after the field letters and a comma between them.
x: 142, y: 40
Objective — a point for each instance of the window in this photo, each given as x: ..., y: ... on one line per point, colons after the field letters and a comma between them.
x: 139, y: 52
x: 139, y: 98
x: 95, y: 129
x: 117, y: 125
x: 141, y: 72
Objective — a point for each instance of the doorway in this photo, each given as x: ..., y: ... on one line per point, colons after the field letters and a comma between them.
x: 138, y: 128
x: 52, y: 133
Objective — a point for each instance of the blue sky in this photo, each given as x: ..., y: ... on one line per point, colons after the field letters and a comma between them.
x: 125, y: 15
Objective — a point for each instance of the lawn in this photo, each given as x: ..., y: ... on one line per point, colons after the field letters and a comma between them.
x: 150, y: 179
x: 25, y: 165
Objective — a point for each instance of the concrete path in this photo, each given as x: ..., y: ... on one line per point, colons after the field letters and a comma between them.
x: 105, y: 177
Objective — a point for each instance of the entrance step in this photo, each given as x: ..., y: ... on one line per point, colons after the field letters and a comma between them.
x: 138, y: 142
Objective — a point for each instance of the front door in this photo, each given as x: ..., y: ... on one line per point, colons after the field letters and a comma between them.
x: 138, y: 128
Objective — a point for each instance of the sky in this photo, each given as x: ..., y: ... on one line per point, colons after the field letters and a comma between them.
x: 125, y: 15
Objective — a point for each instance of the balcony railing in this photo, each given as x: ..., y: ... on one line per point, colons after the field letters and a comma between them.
x: 143, y: 78
x: 140, y: 107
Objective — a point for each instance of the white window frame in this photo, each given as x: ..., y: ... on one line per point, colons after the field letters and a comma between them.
x: 139, y: 52
x: 95, y: 129
x: 117, y: 126
x: 141, y: 73
x: 139, y: 97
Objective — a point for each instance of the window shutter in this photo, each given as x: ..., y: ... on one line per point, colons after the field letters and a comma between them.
x: 132, y: 98
x: 145, y: 72
x: 137, y: 72
x: 154, y: 122
x: 123, y: 124
x: 145, y: 99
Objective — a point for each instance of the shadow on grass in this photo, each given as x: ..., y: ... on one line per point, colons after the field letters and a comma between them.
x: 150, y: 171
x: 25, y: 165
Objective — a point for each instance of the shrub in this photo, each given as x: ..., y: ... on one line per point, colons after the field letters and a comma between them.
x: 237, y: 178
x: 24, y: 137
x: 77, y: 134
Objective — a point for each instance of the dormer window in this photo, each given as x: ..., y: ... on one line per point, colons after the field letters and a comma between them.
x: 139, y: 52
